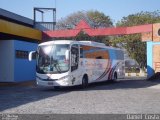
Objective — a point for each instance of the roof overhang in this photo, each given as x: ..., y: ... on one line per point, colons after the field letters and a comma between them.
x: 14, y: 29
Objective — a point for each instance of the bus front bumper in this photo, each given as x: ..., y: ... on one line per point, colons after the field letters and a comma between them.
x: 53, y: 83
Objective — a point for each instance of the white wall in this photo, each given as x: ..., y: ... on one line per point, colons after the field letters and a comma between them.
x: 6, y: 61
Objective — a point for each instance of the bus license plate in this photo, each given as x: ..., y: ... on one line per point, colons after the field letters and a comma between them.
x: 50, y: 83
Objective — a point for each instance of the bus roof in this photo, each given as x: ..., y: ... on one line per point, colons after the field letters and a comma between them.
x: 57, y: 42
x: 89, y: 43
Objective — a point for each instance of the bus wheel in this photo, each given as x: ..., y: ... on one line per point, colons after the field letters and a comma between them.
x: 84, y: 81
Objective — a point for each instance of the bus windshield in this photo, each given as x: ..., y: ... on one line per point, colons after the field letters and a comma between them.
x: 52, y: 59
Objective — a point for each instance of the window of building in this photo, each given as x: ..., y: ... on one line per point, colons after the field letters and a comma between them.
x: 22, y: 54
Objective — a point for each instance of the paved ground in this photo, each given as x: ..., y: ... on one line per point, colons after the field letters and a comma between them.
x: 126, y: 96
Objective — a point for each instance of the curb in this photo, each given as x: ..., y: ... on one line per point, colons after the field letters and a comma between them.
x: 11, y: 84
x: 135, y: 74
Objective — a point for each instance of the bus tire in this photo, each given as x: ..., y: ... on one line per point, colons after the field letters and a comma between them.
x: 85, y: 81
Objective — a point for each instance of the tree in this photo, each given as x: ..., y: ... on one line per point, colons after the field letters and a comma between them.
x: 99, y: 19
x: 94, y: 18
x: 132, y: 43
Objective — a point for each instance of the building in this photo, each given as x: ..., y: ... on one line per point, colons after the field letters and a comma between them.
x: 17, y: 38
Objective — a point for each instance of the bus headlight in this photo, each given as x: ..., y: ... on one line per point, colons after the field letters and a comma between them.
x: 67, y: 77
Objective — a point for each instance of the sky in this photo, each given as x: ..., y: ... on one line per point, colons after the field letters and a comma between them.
x: 116, y: 9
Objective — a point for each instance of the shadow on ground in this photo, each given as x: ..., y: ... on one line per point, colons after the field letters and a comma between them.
x: 15, y: 96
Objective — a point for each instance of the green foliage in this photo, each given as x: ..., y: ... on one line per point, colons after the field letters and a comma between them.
x: 132, y: 43
x: 94, y: 18
x: 99, y: 19
x: 140, y: 18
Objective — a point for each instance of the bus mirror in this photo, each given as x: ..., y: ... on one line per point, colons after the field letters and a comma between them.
x: 67, y: 55
x: 31, y: 55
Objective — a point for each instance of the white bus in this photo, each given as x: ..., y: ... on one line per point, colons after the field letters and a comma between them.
x: 70, y: 63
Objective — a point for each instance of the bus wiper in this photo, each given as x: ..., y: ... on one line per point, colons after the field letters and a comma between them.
x: 56, y: 65
x: 39, y: 70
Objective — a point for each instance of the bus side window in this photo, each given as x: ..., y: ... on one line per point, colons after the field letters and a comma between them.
x: 74, y: 57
